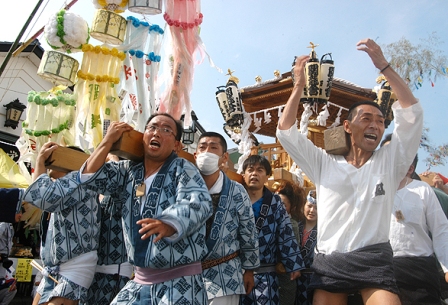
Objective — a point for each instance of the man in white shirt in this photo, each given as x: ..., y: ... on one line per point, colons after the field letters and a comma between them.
x: 356, y: 191
x: 418, y: 230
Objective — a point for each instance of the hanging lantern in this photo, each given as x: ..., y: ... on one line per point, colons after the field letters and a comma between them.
x: 385, y: 98
x: 14, y: 111
x: 116, y: 6
x: 319, y: 78
x: 108, y: 27
x: 66, y: 32
x: 325, y: 78
x: 189, y: 131
x: 145, y: 7
x: 312, y: 74
x: 235, y: 137
x: 58, y: 68
x: 230, y: 102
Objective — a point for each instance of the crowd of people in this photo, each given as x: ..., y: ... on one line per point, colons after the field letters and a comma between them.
x: 166, y: 231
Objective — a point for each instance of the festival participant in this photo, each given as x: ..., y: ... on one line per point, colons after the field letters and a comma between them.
x: 308, y: 240
x: 439, y: 181
x: 113, y: 270
x: 11, y: 204
x: 7, y: 282
x: 275, y: 234
x: 68, y: 250
x: 356, y: 191
x: 292, y: 196
x: 419, y: 238
x: 164, y: 203
x: 230, y: 232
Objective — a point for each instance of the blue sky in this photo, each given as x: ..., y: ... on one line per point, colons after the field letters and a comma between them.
x: 257, y: 37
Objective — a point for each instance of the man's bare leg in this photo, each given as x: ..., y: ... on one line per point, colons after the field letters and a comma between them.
x: 322, y: 297
x: 375, y: 296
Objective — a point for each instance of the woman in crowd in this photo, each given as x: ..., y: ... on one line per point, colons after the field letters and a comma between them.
x: 293, y: 197
x: 307, y: 242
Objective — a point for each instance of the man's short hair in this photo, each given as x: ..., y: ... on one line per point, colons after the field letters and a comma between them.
x: 212, y: 134
x: 179, y: 128
x: 257, y: 159
x: 352, y: 109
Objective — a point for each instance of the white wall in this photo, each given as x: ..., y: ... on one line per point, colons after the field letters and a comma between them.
x: 19, y: 77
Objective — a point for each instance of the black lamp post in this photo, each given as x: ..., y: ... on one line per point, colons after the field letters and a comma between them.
x: 189, y: 131
x: 14, y: 111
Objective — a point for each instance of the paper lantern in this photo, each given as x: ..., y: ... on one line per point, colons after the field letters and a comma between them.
x: 66, y: 32
x: 145, y: 7
x: 108, y: 27
x: 230, y: 102
x: 58, y: 68
x: 319, y: 78
x: 325, y: 78
x: 385, y: 98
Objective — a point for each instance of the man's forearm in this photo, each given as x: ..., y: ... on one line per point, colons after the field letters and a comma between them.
x: 97, y: 158
x: 289, y: 115
x: 399, y: 87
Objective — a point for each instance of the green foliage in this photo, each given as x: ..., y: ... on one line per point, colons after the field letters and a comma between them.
x: 417, y: 62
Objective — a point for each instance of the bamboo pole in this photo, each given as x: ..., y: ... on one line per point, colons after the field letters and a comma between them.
x: 14, y: 45
x: 39, y: 267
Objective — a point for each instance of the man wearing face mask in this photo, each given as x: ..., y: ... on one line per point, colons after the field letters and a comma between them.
x: 230, y: 232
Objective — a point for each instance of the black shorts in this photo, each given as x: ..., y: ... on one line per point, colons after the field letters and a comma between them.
x: 367, y: 267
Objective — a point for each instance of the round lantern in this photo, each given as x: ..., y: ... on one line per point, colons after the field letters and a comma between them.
x: 66, y: 32
x: 145, y: 7
x: 58, y: 68
x: 108, y: 27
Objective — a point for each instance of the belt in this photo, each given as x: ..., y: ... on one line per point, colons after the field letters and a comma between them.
x: 265, y: 269
x: 215, y: 262
x: 149, y: 276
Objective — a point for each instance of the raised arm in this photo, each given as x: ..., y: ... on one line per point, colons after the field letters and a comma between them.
x: 289, y: 115
x: 99, y: 155
x: 398, y: 85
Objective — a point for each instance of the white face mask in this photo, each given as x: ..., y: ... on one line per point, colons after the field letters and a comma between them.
x: 207, y: 163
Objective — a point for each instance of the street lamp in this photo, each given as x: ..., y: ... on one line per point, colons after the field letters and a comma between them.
x: 189, y: 131
x: 13, y: 113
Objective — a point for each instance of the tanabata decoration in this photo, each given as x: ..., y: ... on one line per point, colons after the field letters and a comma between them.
x: 66, y: 32
x: 50, y: 116
x: 108, y: 27
x: 116, y: 6
x: 183, y: 18
x: 139, y: 74
x: 58, y: 68
x: 98, y: 103
x: 385, y: 98
x: 145, y: 7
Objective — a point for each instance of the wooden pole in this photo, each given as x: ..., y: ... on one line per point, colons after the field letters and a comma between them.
x: 38, y: 33
x: 14, y: 45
